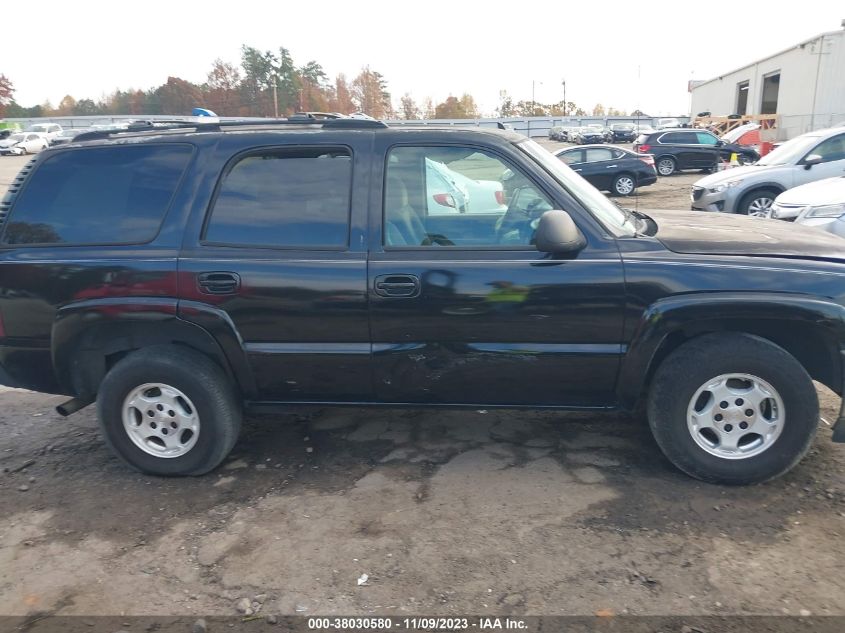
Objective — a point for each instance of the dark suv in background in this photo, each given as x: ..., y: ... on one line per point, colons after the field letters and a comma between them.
x: 184, y: 273
x: 682, y: 149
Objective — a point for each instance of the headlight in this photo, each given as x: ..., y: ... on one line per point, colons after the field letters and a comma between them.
x: 725, y: 185
x: 826, y: 211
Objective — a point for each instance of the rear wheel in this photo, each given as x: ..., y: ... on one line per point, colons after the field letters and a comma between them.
x: 624, y: 185
x: 666, y: 166
x: 169, y: 411
x: 757, y: 203
x: 733, y: 408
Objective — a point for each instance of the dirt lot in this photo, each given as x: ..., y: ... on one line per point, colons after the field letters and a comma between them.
x: 447, y: 512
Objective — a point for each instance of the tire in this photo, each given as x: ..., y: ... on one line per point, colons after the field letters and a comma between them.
x: 208, y: 399
x: 23, y: 151
x: 757, y: 203
x: 666, y: 166
x: 675, y: 409
x: 624, y: 185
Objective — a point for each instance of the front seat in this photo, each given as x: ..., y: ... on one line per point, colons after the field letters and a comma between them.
x: 402, y: 224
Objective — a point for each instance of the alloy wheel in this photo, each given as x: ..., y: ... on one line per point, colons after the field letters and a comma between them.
x: 735, y: 416
x: 161, y: 420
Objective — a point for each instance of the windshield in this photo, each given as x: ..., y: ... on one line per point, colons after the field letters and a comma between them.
x: 611, y: 216
x: 790, y: 152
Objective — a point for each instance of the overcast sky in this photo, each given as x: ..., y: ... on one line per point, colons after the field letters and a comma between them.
x: 622, y: 54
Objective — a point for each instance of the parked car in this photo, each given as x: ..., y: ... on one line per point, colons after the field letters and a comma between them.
x: 819, y: 204
x: 610, y: 168
x: 449, y: 191
x: 23, y: 143
x: 622, y: 133
x: 668, y: 123
x: 227, y: 269
x: 66, y: 136
x: 643, y: 128
x: 6, y: 133
x: 47, y: 130
x: 751, y: 190
x: 590, y: 134
x: 678, y: 150
x: 556, y: 133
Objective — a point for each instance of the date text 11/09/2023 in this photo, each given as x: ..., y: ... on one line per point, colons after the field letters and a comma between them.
x: 416, y: 624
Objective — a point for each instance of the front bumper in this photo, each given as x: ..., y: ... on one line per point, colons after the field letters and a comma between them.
x: 702, y: 199
x: 10, y: 151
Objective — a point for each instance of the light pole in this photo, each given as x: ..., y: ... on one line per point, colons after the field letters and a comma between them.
x: 564, y: 96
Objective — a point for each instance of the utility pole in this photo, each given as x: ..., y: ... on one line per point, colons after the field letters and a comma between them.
x: 533, y: 102
x: 275, y: 100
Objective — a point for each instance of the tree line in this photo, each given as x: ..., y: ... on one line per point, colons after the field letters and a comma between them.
x: 269, y: 83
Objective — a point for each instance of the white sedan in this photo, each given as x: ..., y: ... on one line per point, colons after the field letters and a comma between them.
x: 821, y: 203
x: 452, y: 192
x: 24, y: 143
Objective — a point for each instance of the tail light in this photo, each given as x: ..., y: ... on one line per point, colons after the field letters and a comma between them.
x: 642, y: 148
x: 500, y: 196
x: 444, y: 199
x: 648, y: 159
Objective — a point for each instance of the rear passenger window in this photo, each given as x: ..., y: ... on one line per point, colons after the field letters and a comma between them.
x: 104, y: 195
x: 285, y: 199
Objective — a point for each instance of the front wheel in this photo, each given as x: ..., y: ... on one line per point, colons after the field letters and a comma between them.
x: 169, y: 411
x: 757, y: 203
x: 733, y: 408
x: 624, y: 185
x: 666, y: 166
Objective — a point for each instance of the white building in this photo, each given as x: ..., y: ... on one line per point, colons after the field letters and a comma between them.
x: 804, y: 85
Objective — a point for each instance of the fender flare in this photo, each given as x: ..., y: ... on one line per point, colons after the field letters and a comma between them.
x: 86, y: 333
x: 694, y: 314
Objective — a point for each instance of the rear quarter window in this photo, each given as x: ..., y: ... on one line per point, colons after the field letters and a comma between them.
x: 101, y: 195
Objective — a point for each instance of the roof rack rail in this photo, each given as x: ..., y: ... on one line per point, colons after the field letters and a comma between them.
x: 302, y: 118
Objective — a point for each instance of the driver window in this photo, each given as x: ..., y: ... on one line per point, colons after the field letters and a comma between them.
x: 831, y: 149
x: 458, y: 196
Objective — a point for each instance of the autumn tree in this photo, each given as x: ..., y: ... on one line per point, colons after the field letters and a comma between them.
x: 598, y: 110
x: 178, y: 96
x: 6, y: 92
x: 67, y: 106
x: 370, y: 95
x: 313, y: 88
x: 616, y: 112
x: 410, y: 111
x: 428, y: 109
x: 221, y: 86
x: 341, y: 100
x: 506, y: 106
x: 86, y: 107
x: 470, y: 110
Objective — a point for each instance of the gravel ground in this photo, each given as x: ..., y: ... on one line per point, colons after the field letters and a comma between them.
x: 482, y: 512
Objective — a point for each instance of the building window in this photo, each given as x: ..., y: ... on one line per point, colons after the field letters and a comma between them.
x: 771, y: 85
x: 742, y: 97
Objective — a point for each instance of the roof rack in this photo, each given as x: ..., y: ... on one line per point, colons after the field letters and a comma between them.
x: 300, y: 118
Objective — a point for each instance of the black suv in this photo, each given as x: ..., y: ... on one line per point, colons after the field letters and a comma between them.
x: 181, y: 274
x: 680, y: 149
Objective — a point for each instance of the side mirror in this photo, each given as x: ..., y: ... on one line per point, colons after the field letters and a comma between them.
x: 557, y: 234
x: 812, y: 159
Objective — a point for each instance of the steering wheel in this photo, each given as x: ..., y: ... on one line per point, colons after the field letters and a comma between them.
x: 518, y: 223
